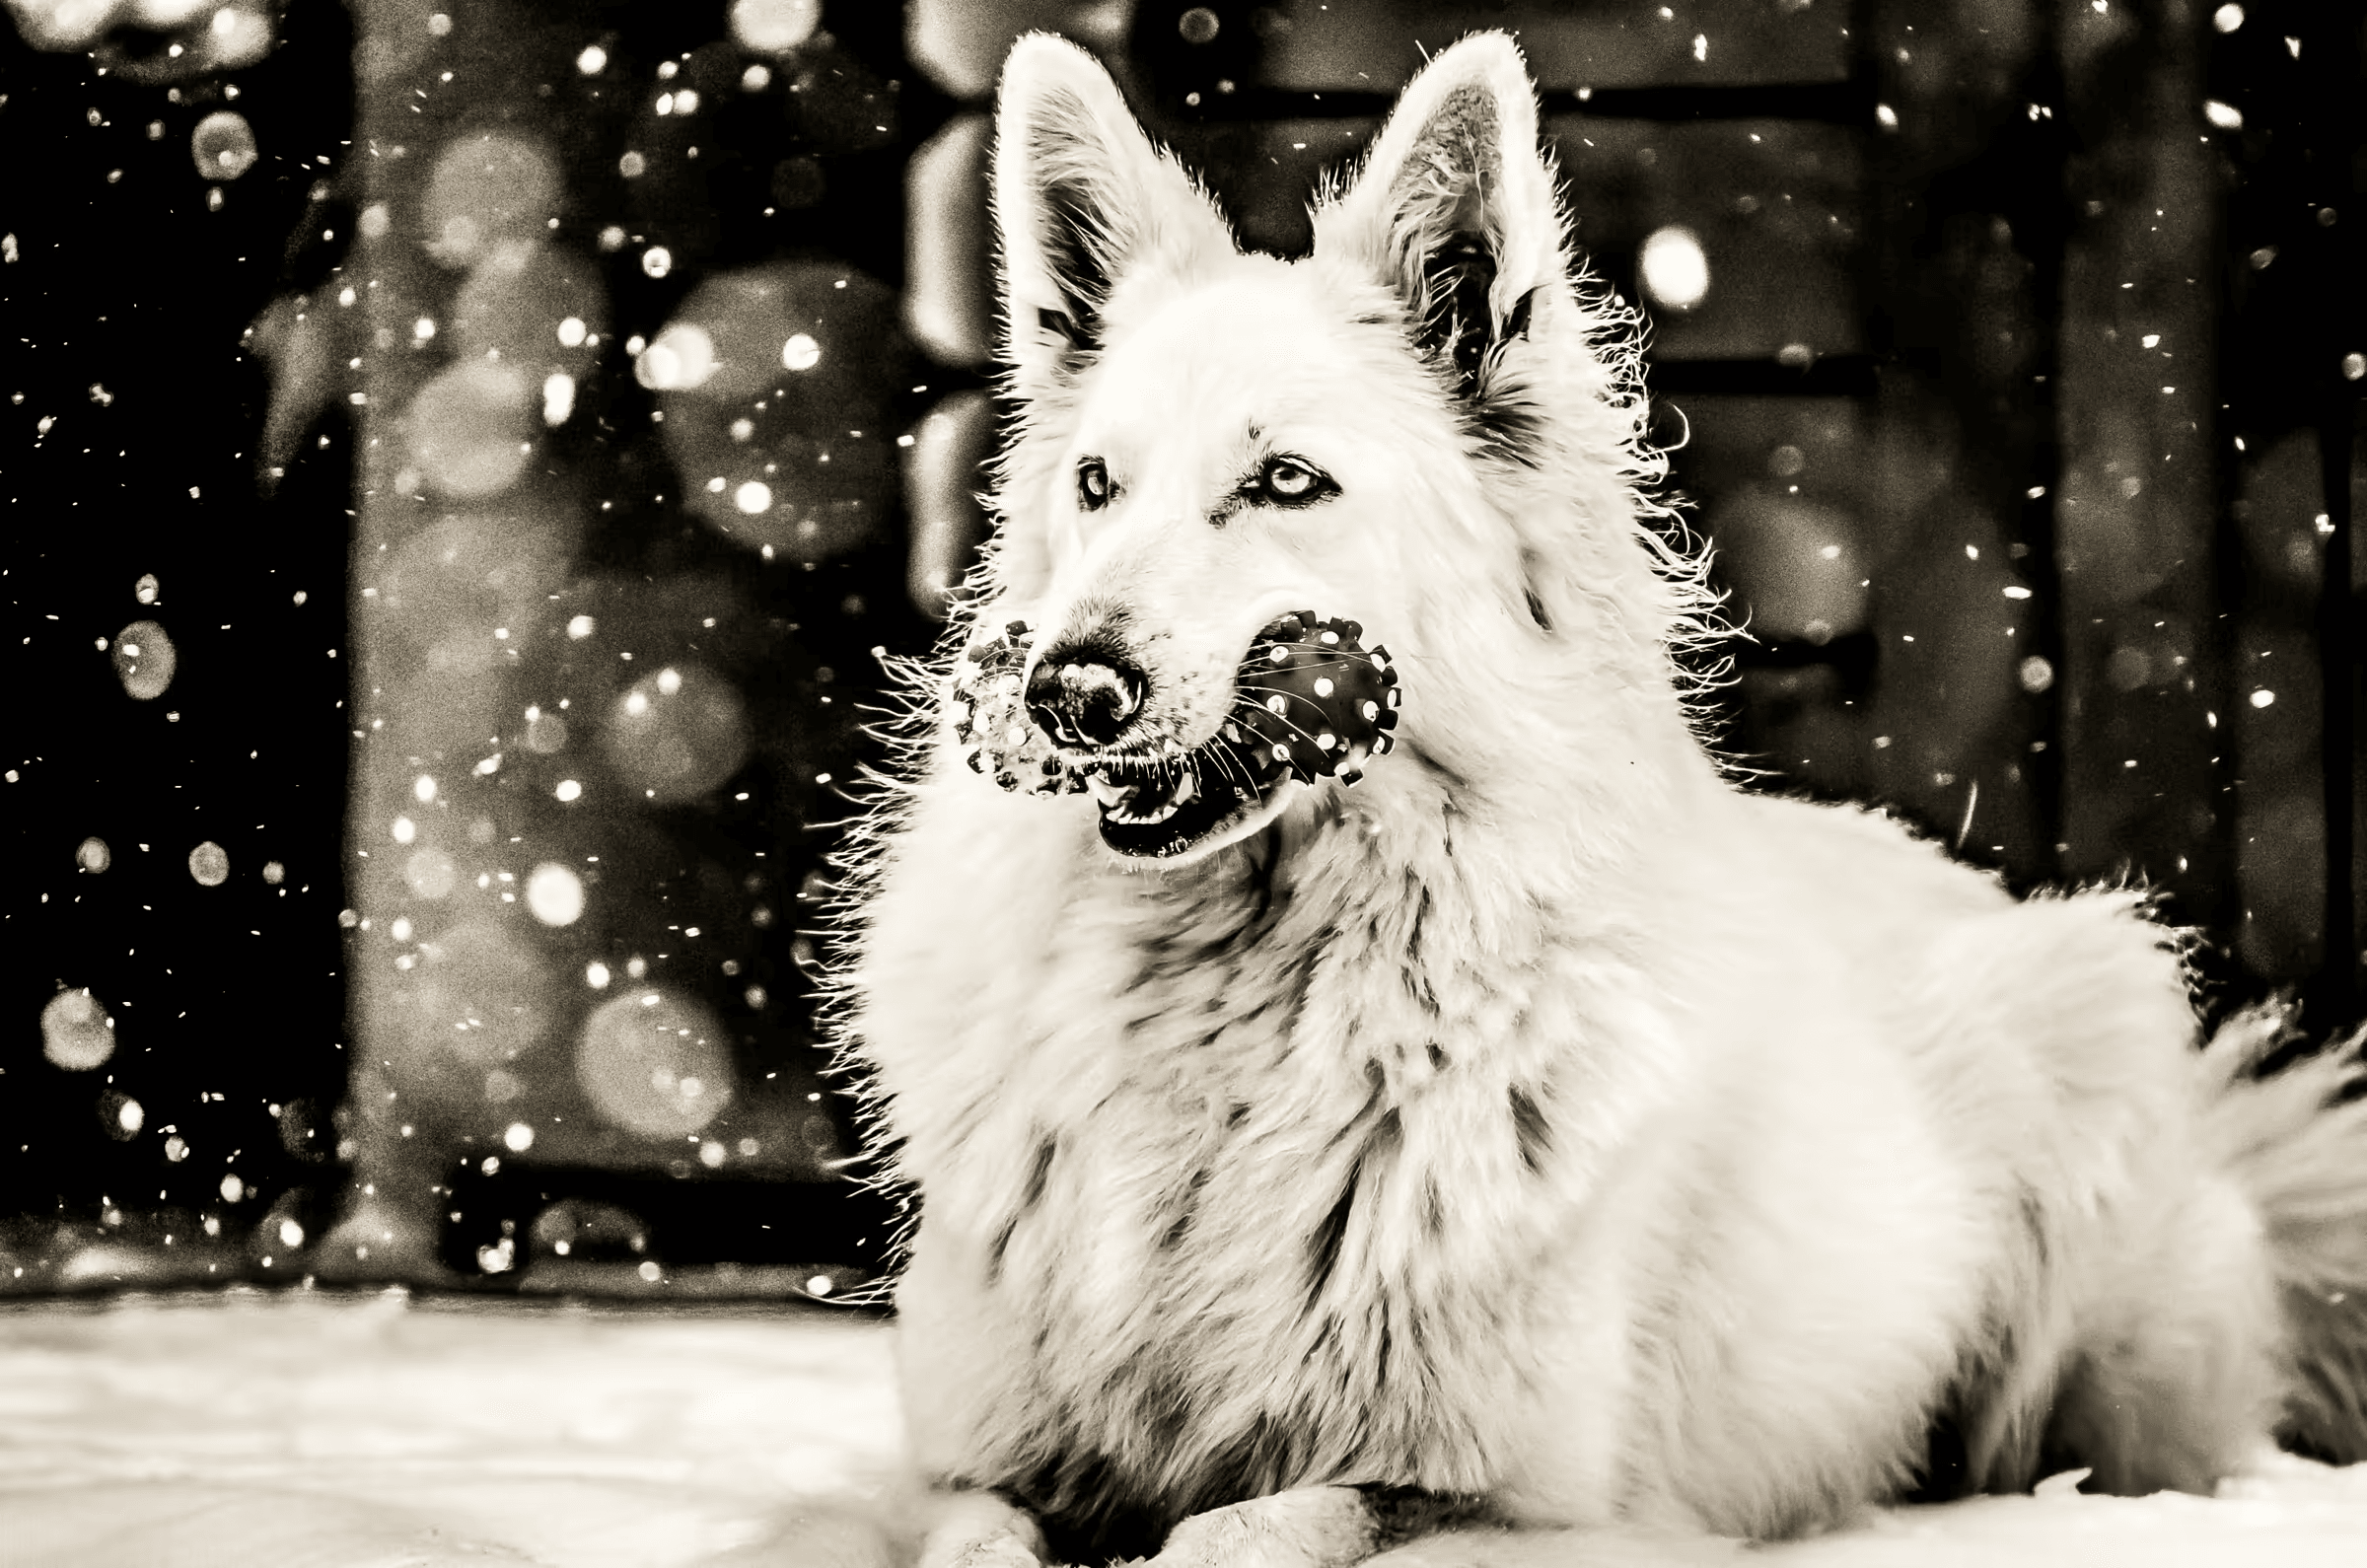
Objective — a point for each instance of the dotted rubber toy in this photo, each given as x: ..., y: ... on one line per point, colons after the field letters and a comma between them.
x: 989, y: 714
x: 1314, y: 702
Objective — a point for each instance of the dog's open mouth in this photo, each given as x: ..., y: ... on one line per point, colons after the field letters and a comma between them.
x: 1158, y: 808
x: 1310, y: 703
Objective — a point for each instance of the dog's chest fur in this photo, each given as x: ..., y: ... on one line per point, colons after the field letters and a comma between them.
x: 1264, y: 1210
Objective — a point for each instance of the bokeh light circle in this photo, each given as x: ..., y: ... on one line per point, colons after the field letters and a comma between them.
x: 145, y: 660
x: 479, y: 998
x: 223, y: 146
x: 654, y: 1061
x: 676, y: 734
x: 554, y: 894
x: 1805, y: 575
x: 468, y: 428
x: 209, y: 863
x: 93, y: 855
x: 774, y: 26
x: 76, y: 1032
x: 430, y: 872
x: 1674, y: 268
x: 536, y: 308
x: 681, y: 358
x: 777, y: 411
x: 486, y: 190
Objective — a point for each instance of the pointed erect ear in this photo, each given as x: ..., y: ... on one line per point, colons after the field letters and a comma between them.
x: 1454, y: 209
x: 1081, y: 197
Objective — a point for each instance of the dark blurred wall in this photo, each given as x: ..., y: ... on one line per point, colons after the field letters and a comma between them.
x: 470, y: 460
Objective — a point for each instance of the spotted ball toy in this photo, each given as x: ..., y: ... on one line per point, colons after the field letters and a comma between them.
x: 989, y: 713
x: 1310, y: 702
x: 1314, y: 702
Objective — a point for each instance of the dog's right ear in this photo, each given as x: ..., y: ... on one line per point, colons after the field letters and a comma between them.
x: 1080, y: 197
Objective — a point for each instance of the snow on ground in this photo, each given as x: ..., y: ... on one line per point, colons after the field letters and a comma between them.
x: 319, y: 1431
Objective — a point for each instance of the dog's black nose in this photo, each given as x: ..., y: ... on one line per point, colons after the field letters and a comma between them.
x: 1084, y: 697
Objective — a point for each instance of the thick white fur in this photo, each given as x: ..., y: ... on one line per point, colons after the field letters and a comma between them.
x: 1546, y: 1122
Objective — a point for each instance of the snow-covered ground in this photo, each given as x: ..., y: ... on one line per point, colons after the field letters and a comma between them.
x: 317, y: 1431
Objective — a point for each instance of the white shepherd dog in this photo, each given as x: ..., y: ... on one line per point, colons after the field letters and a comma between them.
x: 1544, y: 1133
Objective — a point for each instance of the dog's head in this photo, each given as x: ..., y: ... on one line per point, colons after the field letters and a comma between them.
x: 1412, y: 427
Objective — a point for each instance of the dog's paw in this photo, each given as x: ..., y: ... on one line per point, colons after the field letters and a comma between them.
x: 1309, y: 1526
x: 973, y: 1530
x: 1002, y: 1550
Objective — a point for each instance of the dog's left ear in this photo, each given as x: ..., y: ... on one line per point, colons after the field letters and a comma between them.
x: 1454, y: 209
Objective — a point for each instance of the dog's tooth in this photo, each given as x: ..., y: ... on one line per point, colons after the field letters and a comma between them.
x: 1188, y: 790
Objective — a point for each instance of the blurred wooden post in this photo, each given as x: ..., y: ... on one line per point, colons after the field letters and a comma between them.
x: 626, y: 544
x: 452, y: 566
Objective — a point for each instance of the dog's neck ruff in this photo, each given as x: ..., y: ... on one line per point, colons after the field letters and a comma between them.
x: 1307, y: 1001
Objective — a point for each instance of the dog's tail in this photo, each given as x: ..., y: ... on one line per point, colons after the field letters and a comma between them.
x: 2296, y: 1140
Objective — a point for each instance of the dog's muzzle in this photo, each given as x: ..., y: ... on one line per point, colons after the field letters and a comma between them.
x: 1084, y: 699
x: 1309, y: 702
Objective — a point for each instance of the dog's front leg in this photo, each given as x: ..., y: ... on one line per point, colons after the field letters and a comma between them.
x: 978, y: 1529
x: 1309, y: 1526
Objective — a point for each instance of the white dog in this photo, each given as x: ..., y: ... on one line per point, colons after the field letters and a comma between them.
x: 1544, y: 1133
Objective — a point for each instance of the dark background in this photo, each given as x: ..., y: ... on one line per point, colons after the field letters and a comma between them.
x: 2021, y: 405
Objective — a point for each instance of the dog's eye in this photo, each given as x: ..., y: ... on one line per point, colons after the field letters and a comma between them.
x: 1093, y: 485
x: 1287, y: 482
